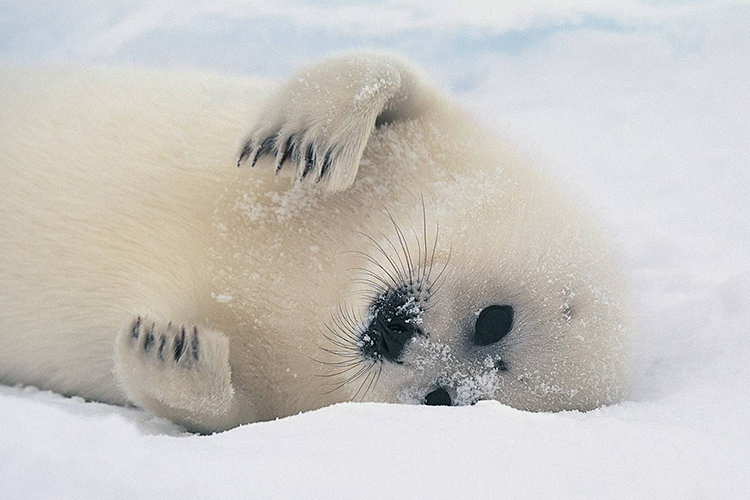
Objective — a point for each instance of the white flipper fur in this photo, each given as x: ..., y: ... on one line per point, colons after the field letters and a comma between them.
x: 177, y: 372
x: 321, y: 119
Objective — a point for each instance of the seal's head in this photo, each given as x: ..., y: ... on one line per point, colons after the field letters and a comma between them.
x: 524, y: 309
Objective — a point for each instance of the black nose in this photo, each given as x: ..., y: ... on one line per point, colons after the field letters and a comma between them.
x: 493, y: 323
x: 392, y: 326
x: 438, y: 397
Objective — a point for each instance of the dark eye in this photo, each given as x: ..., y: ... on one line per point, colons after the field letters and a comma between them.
x: 493, y: 323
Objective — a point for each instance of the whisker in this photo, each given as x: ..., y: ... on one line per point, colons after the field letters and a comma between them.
x: 344, y: 333
x: 370, y: 375
x: 342, y: 364
x: 419, y: 256
x: 339, y: 373
x: 375, y: 261
x: 338, y: 354
x: 434, y: 248
x: 362, y: 384
x: 373, y: 275
x: 354, y: 377
x: 402, y: 272
x: 377, y: 378
x: 373, y: 381
x: 445, y: 266
x: 379, y: 247
x: 404, y: 246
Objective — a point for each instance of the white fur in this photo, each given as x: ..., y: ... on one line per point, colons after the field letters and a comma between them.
x: 120, y: 199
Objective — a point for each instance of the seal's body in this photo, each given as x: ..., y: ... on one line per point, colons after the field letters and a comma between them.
x: 411, y: 258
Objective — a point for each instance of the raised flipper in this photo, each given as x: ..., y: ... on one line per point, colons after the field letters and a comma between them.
x: 178, y: 372
x: 321, y: 119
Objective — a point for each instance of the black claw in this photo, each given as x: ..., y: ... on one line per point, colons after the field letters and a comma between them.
x: 309, y: 161
x: 194, y: 343
x: 246, y: 150
x: 265, y: 147
x: 136, y: 330
x: 149, y: 340
x: 326, y: 165
x: 179, y: 345
x: 286, y: 153
x: 162, y: 341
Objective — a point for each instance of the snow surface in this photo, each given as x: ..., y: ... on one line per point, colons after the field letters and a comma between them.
x: 649, y: 121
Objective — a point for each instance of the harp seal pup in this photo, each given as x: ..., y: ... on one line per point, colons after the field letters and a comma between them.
x: 412, y: 257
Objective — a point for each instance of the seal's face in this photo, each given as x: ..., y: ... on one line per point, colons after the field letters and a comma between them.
x: 539, y: 329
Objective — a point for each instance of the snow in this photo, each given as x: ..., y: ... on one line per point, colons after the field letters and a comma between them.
x: 651, y: 449
x: 651, y: 124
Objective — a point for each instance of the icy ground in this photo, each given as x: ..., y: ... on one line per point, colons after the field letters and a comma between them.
x: 654, y: 131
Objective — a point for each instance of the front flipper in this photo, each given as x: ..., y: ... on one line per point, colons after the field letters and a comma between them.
x: 321, y: 119
x: 177, y: 372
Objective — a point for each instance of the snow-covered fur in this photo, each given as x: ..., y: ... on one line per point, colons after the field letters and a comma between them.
x: 350, y: 257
